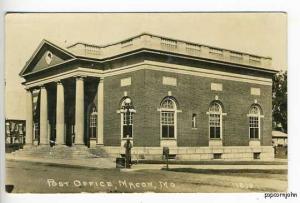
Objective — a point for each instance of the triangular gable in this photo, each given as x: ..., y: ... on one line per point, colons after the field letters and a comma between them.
x: 46, y: 55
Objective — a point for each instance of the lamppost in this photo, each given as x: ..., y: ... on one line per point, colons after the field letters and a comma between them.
x: 127, y: 110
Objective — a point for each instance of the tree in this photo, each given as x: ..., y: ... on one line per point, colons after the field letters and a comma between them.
x: 279, y: 101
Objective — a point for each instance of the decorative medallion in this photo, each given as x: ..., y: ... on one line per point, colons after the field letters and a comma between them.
x: 48, y: 57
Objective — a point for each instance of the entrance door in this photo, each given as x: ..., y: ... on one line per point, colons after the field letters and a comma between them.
x: 70, y: 127
x: 93, y: 124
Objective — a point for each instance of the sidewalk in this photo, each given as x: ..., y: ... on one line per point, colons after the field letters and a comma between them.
x: 97, y: 163
x: 108, y: 163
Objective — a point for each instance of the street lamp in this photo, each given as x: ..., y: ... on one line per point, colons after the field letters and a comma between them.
x: 127, y: 101
x: 127, y: 108
x: 127, y: 113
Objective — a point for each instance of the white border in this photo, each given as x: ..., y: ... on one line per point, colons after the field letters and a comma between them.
x: 289, y: 6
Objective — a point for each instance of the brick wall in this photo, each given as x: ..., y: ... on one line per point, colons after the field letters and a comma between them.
x: 194, y: 95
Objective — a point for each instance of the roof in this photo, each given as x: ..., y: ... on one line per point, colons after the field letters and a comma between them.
x: 166, y: 44
x: 163, y: 37
x: 153, y: 44
x: 42, y: 43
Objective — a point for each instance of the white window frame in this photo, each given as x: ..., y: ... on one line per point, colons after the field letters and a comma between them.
x: 93, y: 117
x: 259, y: 116
x: 221, y: 121
x: 121, y: 111
x: 175, y: 111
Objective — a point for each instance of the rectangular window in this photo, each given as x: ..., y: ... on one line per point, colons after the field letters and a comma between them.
x: 194, y: 120
x: 167, y: 124
x: 256, y: 155
x: 93, y: 121
x: 217, y: 156
x: 127, y: 124
x: 214, y: 126
x: 172, y: 156
x: 254, y: 127
x: 127, y: 130
x: 93, y: 126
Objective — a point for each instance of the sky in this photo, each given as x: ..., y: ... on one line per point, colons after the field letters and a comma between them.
x: 257, y: 33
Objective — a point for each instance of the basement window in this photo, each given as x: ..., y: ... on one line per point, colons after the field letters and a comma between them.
x: 172, y: 156
x: 217, y: 156
x: 256, y: 155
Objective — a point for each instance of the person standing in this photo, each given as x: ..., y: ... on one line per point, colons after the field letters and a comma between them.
x: 128, y: 147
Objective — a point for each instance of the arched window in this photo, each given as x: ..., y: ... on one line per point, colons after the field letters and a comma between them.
x: 254, y: 122
x: 215, y: 121
x: 168, y: 118
x: 93, y: 123
x: 127, y: 111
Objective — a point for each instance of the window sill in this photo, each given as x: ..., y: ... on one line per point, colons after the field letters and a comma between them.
x: 254, y: 142
x: 194, y: 128
x: 215, y: 138
x: 168, y: 142
x: 167, y: 138
x: 215, y: 142
x: 131, y: 138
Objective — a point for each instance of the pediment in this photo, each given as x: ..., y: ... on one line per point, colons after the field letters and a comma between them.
x: 46, y: 55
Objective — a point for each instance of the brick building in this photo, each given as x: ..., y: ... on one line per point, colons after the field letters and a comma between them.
x: 202, y: 102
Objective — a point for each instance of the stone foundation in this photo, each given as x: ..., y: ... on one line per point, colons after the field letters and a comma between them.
x: 232, y: 153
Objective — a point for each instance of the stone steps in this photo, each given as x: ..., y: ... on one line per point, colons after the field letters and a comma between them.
x: 59, y: 152
x: 99, y: 151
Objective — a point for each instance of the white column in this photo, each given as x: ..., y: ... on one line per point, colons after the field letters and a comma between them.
x: 43, y: 116
x: 79, y: 111
x: 60, y: 114
x: 100, y: 120
x: 29, y: 118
